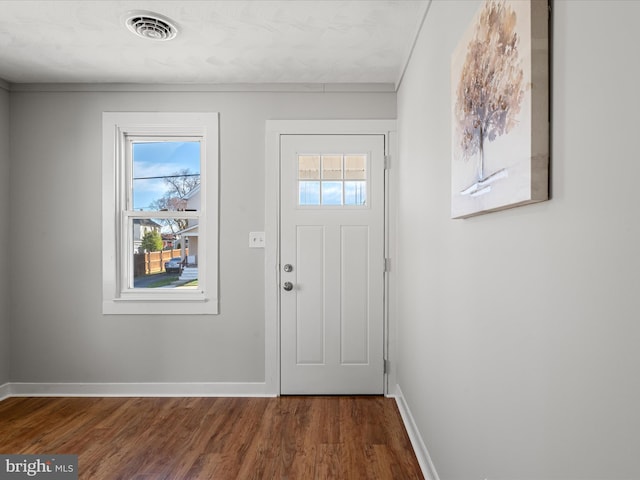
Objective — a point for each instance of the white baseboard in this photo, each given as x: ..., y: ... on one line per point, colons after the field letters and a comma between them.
x: 5, y: 391
x: 420, y: 449
x: 19, y: 389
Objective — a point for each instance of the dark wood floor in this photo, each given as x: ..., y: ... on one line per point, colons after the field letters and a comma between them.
x: 215, y: 438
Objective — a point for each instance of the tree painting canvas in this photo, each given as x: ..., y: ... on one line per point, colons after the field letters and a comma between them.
x: 500, y: 105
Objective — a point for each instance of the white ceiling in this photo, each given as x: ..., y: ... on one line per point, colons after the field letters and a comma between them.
x: 242, y: 41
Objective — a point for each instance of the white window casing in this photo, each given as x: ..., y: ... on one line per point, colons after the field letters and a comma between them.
x: 119, y: 130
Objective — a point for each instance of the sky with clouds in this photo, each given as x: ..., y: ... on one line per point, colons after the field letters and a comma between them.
x: 158, y: 159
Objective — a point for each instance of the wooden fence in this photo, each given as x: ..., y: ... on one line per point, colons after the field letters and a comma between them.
x: 153, y: 262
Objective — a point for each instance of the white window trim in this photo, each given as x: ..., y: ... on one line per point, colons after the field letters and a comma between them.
x: 117, y: 127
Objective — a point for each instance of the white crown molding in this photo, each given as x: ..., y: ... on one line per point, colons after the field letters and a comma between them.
x: 239, y: 87
x: 21, y: 389
x: 413, y: 45
x: 420, y: 449
x: 359, y: 87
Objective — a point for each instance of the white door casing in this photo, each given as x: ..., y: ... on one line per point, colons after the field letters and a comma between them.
x: 274, y: 130
x: 332, y: 318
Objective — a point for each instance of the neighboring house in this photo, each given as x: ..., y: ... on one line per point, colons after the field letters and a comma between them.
x: 190, y: 234
x: 169, y: 241
x: 140, y: 227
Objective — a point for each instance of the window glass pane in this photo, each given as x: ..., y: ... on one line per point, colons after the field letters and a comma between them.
x: 309, y: 167
x: 161, y: 258
x: 166, y: 175
x: 309, y: 193
x: 355, y: 193
x: 331, y: 193
x: 332, y: 167
x: 355, y: 167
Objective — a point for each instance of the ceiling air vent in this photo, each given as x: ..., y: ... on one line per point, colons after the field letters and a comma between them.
x: 151, y: 25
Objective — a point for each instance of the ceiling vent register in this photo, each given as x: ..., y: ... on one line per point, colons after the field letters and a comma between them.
x: 151, y: 25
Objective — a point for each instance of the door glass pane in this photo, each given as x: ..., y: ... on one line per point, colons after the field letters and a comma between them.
x: 331, y: 193
x: 165, y: 175
x: 332, y: 167
x: 333, y: 180
x: 355, y: 167
x: 308, y: 167
x: 355, y: 193
x: 309, y: 193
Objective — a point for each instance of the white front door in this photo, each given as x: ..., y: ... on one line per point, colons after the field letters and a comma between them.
x: 332, y: 264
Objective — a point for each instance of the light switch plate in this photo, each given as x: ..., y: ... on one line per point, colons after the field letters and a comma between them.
x: 256, y: 239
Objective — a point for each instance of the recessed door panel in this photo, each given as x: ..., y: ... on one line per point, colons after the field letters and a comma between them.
x: 310, y: 325
x: 354, y: 294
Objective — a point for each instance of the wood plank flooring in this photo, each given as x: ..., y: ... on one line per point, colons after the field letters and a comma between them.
x: 215, y: 438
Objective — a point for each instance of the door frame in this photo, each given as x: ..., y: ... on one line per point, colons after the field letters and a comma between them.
x: 274, y: 129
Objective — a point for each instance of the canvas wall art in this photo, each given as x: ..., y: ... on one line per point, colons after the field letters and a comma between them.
x: 500, y: 109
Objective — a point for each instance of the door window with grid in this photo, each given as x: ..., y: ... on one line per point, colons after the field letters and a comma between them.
x: 332, y: 179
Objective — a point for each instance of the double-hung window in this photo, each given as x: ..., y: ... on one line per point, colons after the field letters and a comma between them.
x: 160, y: 213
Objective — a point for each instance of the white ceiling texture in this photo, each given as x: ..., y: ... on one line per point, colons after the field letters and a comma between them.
x: 218, y: 42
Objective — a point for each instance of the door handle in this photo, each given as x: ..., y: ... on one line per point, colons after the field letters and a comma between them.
x: 288, y: 286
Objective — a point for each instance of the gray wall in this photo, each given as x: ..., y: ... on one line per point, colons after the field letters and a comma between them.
x: 5, y: 237
x: 58, y: 331
x: 519, y: 330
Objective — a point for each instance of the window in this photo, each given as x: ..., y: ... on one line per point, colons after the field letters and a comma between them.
x: 332, y: 180
x: 160, y: 213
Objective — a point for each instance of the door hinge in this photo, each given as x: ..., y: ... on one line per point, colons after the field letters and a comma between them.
x: 387, y: 265
x: 387, y: 366
x: 387, y: 162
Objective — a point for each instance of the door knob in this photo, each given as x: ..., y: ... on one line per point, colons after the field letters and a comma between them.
x: 288, y: 268
x: 288, y: 286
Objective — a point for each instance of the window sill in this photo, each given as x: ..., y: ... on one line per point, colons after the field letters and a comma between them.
x: 160, y: 306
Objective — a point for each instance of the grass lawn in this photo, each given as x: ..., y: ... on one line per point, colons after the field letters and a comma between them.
x: 164, y: 282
